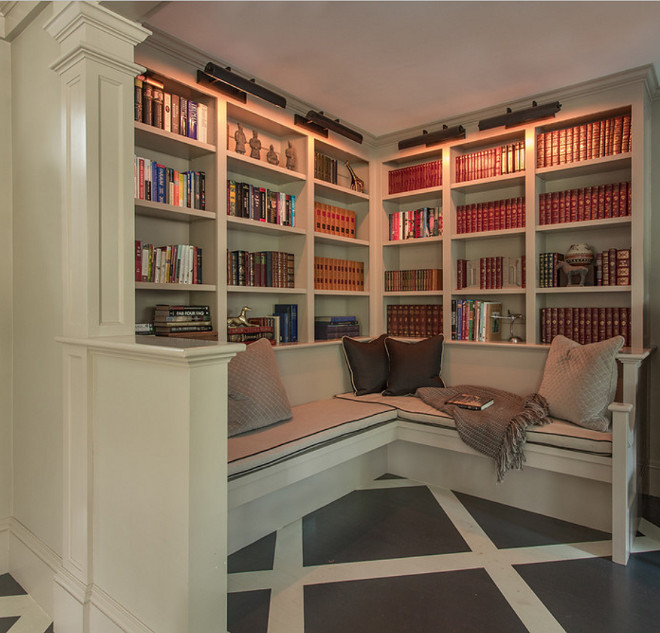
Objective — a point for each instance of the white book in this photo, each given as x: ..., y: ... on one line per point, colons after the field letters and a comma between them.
x: 202, y: 122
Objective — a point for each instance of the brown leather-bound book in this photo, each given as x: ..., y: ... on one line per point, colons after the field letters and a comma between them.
x: 611, y: 261
x: 587, y: 326
x: 594, y: 325
x: 568, y: 322
x: 602, y: 332
x: 626, y: 136
x: 609, y: 322
x: 540, y: 149
x: 623, y: 267
x: 617, y: 135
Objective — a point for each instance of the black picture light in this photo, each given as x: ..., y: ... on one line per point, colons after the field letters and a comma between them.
x: 431, y: 138
x: 511, y: 119
x: 234, y: 85
x: 319, y: 123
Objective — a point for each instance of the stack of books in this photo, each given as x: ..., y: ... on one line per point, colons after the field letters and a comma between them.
x: 327, y: 328
x: 589, y: 203
x: 490, y: 273
x: 325, y: 168
x: 258, y: 203
x: 184, y: 322
x: 549, y: 275
x: 420, y: 280
x: 334, y: 220
x: 415, y: 224
x: 613, y: 267
x: 264, y: 269
x: 173, y: 264
x: 338, y: 274
x: 585, y: 325
x: 491, y: 162
x: 475, y: 320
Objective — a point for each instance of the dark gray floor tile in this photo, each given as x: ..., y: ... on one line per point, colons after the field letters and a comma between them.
x: 650, y: 508
x: 9, y: 587
x: 511, y: 527
x: 462, y: 601
x: 255, y: 557
x: 379, y: 524
x: 7, y: 623
x: 598, y: 596
x: 247, y: 611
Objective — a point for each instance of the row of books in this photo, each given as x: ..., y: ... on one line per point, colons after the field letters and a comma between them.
x: 193, y: 321
x: 327, y: 328
x: 414, y: 320
x: 490, y: 273
x: 258, y: 203
x: 334, y: 220
x: 585, y: 325
x: 158, y: 183
x: 613, y: 267
x: 490, y: 216
x: 287, y: 314
x: 325, y: 167
x: 279, y: 327
x: 168, y: 111
x: 549, y: 273
x: 491, y: 162
x: 422, y: 279
x: 338, y: 274
x: 589, y: 203
x: 475, y: 320
x: 416, y: 223
x: 586, y: 141
x: 173, y: 264
x: 263, y: 269
x: 415, y: 177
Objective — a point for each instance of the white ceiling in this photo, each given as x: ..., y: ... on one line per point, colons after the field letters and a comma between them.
x: 389, y: 66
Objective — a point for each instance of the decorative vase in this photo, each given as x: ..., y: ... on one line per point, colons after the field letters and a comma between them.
x: 579, y: 255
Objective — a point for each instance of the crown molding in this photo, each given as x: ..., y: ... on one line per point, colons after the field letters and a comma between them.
x: 642, y: 75
x: 15, y: 16
x: 196, y: 59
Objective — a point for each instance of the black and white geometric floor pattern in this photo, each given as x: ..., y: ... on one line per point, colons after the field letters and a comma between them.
x: 402, y: 557
x: 19, y: 613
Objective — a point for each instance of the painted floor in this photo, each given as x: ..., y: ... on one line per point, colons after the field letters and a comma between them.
x: 401, y: 557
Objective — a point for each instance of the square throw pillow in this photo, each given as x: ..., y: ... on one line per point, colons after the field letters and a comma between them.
x: 256, y: 394
x: 368, y: 364
x: 413, y: 365
x: 579, y: 381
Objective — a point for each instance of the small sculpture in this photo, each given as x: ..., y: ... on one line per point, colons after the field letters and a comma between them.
x: 241, y: 140
x: 240, y: 320
x: 579, y: 254
x: 271, y: 156
x: 357, y: 184
x: 290, y: 154
x: 572, y: 271
x: 255, y: 146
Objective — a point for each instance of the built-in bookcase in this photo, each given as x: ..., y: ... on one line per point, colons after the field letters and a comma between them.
x: 497, y: 197
x: 167, y: 223
x: 262, y: 191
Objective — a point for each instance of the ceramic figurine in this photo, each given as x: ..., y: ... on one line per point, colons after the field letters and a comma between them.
x: 271, y: 156
x: 290, y: 154
x: 579, y: 255
x: 357, y: 184
x: 241, y: 140
x: 255, y: 146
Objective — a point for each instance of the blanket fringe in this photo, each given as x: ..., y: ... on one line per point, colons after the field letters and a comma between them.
x: 510, y: 454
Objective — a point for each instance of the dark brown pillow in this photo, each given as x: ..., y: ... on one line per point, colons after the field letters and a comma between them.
x: 413, y: 365
x: 368, y: 364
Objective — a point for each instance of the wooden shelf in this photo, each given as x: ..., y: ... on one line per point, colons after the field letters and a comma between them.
x: 263, y: 228
x: 417, y: 195
x: 585, y: 167
x: 468, y: 292
x: 150, y: 285
x: 148, y: 208
x: 578, y: 290
x: 416, y: 241
x: 338, y: 240
x: 585, y: 224
x: 267, y: 290
x: 161, y: 141
x: 245, y: 166
x: 488, y: 234
x: 339, y: 193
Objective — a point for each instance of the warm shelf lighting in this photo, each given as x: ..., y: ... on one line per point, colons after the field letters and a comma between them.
x: 319, y: 123
x: 431, y: 138
x: 511, y: 119
x: 234, y: 85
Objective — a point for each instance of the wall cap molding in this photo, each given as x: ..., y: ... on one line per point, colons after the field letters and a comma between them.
x: 87, y: 52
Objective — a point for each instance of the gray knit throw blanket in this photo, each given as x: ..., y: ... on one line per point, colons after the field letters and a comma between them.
x: 498, y: 431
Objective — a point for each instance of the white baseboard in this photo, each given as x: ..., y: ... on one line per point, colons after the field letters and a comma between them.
x: 74, y: 607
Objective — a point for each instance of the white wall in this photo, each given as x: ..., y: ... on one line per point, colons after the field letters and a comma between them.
x: 654, y: 308
x: 5, y: 282
x: 37, y: 284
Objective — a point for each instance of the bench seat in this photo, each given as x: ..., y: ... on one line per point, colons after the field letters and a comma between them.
x: 558, y: 434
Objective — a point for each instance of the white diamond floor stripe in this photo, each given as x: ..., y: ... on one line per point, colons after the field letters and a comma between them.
x: 32, y: 618
x: 288, y: 577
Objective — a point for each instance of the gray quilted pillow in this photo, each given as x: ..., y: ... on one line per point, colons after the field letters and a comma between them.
x: 256, y: 394
x: 579, y: 381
